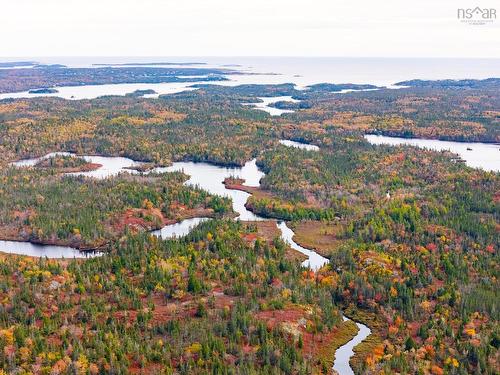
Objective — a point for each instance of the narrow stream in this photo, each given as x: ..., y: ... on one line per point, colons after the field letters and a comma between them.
x: 345, y: 352
x: 314, y: 261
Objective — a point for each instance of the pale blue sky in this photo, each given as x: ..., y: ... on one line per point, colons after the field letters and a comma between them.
x: 387, y: 28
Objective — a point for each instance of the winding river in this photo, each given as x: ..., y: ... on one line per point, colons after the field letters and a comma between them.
x: 346, y: 351
x: 210, y: 178
x: 314, y: 261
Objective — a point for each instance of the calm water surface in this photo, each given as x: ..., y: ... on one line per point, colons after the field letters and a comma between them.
x: 301, y: 72
x: 49, y: 251
x: 275, y: 70
x: 265, y: 105
x: 95, y: 91
x: 33, y: 161
x: 110, y: 165
x: 314, y: 261
x: 345, y: 352
x: 301, y: 145
x: 211, y: 177
x: 475, y: 154
x: 179, y: 229
x: 306, y: 70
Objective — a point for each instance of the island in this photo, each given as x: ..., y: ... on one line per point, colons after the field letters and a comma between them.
x: 43, y: 91
x: 139, y: 93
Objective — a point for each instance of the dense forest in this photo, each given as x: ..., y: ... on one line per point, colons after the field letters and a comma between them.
x: 412, y: 235
x: 203, y: 304
x: 87, y: 213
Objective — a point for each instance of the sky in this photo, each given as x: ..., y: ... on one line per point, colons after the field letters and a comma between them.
x: 352, y: 28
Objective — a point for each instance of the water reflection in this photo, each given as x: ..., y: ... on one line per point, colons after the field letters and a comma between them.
x: 314, y: 260
x: 265, y: 104
x: 344, y: 353
x: 303, y: 146
x: 475, y: 154
x: 210, y: 177
x: 49, y: 251
x: 178, y: 229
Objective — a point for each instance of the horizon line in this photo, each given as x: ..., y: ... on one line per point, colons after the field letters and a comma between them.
x: 255, y: 56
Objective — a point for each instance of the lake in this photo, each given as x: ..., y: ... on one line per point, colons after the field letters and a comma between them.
x: 477, y: 155
x: 265, y: 104
x: 210, y: 177
x: 36, y: 250
x: 301, y: 145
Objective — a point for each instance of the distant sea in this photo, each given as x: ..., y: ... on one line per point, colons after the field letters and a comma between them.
x: 308, y: 70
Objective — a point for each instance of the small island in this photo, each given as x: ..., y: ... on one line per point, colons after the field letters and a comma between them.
x: 17, y: 64
x: 67, y: 164
x: 140, y: 93
x: 287, y: 105
x: 43, y: 91
x: 331, y: 87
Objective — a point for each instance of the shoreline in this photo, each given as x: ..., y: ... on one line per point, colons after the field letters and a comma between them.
x: 402, y: 136
x: 85, y: 248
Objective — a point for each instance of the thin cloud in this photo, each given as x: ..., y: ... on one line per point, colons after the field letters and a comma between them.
x: 227, y: 27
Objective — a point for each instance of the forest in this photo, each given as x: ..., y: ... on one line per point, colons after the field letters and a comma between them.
x: 411, y: 235
x: 88, y: 214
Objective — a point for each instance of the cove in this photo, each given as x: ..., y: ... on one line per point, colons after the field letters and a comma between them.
x: 475, y: 154
x: 266, y: 104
